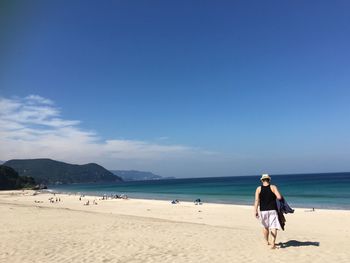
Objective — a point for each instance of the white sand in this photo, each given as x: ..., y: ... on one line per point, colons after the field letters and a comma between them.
x: 157, y: 231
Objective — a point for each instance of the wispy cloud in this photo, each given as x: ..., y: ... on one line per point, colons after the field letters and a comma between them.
x: 32, y: 127
x: 35, y: 99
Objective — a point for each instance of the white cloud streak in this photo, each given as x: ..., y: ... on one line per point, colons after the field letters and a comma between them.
x: 32, y: 127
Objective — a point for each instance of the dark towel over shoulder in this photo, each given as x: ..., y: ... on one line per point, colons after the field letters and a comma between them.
x: 283, y: 208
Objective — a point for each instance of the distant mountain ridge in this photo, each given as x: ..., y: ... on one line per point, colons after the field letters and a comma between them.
x: 49, y: 171
x: 132, y: 175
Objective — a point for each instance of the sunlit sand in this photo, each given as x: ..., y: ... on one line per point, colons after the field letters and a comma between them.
x: 35, y: 230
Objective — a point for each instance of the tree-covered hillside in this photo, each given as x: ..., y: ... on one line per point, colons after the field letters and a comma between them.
x: 10, y: 180
x: 49, y: 171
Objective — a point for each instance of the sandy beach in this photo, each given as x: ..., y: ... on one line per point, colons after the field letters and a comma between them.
x: 115, y: 230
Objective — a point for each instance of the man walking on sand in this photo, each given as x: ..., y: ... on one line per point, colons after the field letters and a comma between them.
x: 265, y: 199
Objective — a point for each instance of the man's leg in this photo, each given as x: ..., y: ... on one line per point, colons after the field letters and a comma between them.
x: 266, y: 234
x: 274, y: 235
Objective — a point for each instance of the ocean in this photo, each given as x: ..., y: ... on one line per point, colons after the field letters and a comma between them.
x: 327, y: 190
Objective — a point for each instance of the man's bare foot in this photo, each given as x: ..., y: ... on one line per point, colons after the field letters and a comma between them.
x: 267, y: 242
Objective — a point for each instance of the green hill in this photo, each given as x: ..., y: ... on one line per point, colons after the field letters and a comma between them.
x: 49, y: 171
x: 10, y: 180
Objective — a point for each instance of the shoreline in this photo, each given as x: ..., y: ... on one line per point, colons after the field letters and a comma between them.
x: 187, y: 201
x: 72, y: 195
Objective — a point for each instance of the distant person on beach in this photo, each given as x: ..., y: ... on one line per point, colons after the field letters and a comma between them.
x: 265, y: 200
x: 198, y: 201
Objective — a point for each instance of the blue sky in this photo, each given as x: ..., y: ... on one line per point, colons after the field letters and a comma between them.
x: 180, y: 88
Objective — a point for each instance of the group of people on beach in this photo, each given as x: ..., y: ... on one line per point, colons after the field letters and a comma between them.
x: 104, y: 197
x: 94, y: 202
x: 114, y: 196
x: 198, y: 201
x: 54, y: 199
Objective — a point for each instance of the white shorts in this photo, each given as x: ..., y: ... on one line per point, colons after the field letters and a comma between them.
x: 269, y: 219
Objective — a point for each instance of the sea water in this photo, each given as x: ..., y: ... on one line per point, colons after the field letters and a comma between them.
x: 328, y: 190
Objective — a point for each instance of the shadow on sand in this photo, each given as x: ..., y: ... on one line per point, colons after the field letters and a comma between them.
x: 295, y: 243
